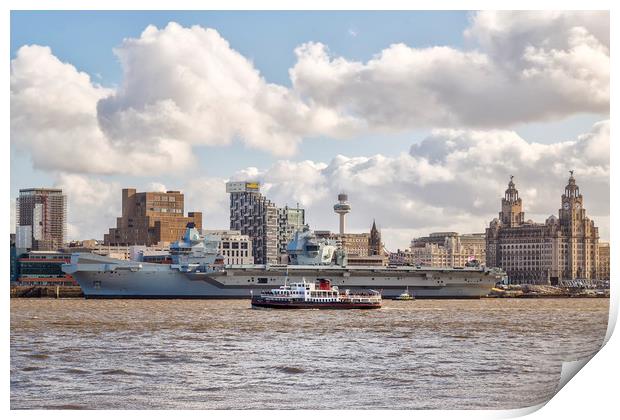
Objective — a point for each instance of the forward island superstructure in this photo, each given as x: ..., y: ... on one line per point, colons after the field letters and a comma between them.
x: 196, y: 272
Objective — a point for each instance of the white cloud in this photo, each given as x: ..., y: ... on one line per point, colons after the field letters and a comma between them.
x: 188, y: 84
x: 156, y: 187
x: 208, y: 195
x: 54, y: 119
x: 506, y: 35
x: 289, y: 183
x: 92, y: 205
x: 524, y: 67
x: 184, y: 87
x: 453, y: 180
x: 53, y: 113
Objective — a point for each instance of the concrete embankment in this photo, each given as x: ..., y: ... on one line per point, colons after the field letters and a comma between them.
x: 542, y: 291
x: 46, y: 292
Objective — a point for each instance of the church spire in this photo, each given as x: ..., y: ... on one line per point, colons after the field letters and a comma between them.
x: 374, y: 241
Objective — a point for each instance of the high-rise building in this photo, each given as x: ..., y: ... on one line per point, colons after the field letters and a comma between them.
x: 149, y: 218
x: 564, y: 248
x: 254, y: 215
x: 41, y: 219
x: 290, y: 220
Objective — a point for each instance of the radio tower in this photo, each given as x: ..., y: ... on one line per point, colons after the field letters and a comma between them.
x: 342, y: 207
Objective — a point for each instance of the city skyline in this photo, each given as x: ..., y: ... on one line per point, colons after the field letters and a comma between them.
x: 413, y: 172
x: 342, y: 197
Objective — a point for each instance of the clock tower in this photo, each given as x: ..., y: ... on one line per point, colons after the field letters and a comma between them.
x: 579, y: 244
x: 572, y: 212
x: 512, y: 208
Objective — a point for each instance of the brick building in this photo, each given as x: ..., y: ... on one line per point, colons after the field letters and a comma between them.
x: 149, y: 218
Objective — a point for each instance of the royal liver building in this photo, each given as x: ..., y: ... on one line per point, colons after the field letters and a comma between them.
x: 564, y: 248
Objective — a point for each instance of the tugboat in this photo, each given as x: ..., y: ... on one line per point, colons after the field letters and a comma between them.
x: 404, y: 296
x: 305, y: 295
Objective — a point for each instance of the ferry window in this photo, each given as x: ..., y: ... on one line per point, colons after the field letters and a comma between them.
x: 262, y: 280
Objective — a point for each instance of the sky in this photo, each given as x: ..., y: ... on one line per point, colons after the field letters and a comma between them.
x: 421, y: 117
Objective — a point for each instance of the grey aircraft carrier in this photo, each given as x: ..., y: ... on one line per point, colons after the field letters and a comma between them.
x: 194, y: 273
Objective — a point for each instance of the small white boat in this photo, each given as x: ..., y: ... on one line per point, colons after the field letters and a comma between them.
x: 404, y: 296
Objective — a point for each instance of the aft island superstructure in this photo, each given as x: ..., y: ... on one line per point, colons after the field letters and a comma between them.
x: 196, y: 273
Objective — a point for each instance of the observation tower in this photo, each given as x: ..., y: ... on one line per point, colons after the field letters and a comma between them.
x: 342, y: 207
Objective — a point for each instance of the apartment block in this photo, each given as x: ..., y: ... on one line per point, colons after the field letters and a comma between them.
x: 41, y: 219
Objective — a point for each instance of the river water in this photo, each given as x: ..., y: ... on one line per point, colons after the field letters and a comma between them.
x: 219, y: 354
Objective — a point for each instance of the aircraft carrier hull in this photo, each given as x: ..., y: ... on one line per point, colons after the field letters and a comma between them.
x: 103, y: 277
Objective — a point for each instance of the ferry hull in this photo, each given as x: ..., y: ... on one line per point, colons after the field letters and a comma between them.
x: 313, y: 305
x: 102, y: 277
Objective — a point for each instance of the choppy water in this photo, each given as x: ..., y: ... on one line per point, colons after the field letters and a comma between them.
x: 209, y: 354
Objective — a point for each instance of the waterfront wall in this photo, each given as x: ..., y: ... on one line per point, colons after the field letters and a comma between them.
x: 46, y: 292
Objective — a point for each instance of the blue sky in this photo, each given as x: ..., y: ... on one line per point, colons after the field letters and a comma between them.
x: 268, y: 39
x: 86, y: 39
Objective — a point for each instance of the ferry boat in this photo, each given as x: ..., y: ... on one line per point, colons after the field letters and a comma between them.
x: 304, y: 295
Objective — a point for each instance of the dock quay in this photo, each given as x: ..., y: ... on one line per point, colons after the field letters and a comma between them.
x: 57, y: 292
x: 543, y: 291
x: 60, y: 292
